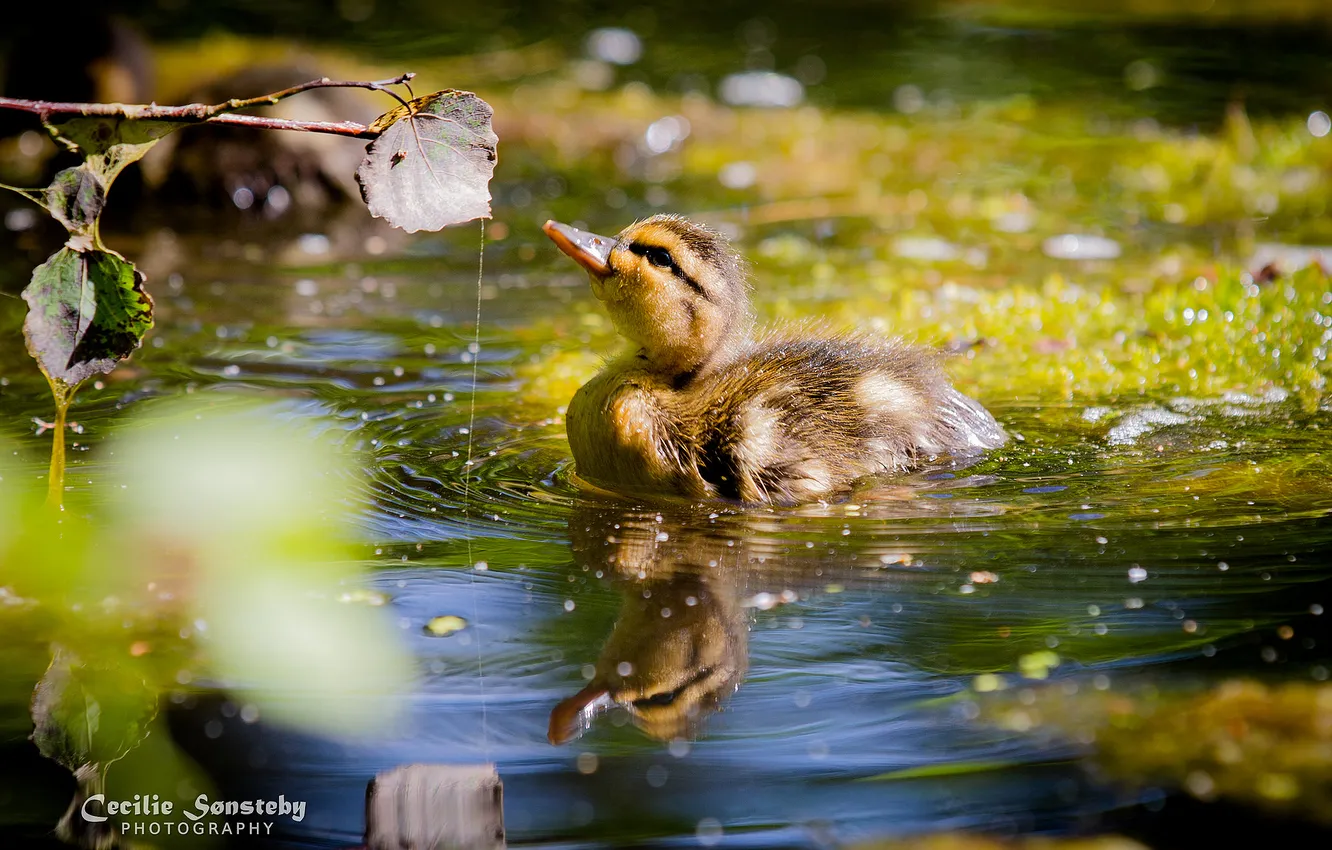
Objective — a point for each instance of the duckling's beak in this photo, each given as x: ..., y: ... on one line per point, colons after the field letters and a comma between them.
x: 572, y: 715
x: 589, y: 250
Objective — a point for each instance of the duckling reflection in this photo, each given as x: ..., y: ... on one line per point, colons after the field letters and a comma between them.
x: 680, y: 646
x: 692, y: 578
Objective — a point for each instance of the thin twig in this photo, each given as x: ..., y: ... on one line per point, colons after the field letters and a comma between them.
x: 321, y: 83
x: 262, y: 122
x: 220, y: 113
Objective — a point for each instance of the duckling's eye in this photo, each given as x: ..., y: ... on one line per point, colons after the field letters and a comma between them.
x: 656, y: 700
x: 659, y: 257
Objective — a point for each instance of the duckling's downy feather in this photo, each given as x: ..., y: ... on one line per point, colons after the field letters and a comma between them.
x: 797, y: 418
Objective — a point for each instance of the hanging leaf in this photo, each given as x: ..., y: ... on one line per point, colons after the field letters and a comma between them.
x: 432, y: 163
x: 86, y: 311
x: 111, y: 142
x: 75, y: 199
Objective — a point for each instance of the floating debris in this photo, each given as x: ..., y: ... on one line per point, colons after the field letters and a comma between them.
x: 445, y: 625
x: 1037, y: 665
x: 988, y: 682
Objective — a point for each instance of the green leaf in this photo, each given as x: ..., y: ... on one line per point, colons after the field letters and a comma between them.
x: 75, y: 199
x: 432, y: 163
x: 109, y: 143
x: 86, y: 312
x: 90, y: 714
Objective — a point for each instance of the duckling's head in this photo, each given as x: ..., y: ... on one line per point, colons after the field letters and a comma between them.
x: 675, y: 288
x: 671, y: 661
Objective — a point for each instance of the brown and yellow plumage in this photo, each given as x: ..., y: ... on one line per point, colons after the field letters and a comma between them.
x: 702, y: 407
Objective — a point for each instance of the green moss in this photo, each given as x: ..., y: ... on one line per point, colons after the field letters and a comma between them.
x: 836, y: 193
x: 1267, y: 746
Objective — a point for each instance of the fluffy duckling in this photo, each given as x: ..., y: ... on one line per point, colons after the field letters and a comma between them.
x: 702, y: 406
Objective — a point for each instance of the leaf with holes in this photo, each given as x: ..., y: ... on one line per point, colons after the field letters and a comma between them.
x: 111, y: 142
x: 86, y: 312
x: 432, y: 163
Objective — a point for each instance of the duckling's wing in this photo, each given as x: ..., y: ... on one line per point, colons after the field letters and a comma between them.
x: 797, y: 419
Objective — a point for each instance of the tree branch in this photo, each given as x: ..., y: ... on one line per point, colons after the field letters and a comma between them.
x: 321, y: 83
x: 219, y: 113
x: 335, y: 128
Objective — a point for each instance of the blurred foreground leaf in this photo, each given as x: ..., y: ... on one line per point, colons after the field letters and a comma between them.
x: 432, y: 163
x: 230, y: 565
x: 259, y: 514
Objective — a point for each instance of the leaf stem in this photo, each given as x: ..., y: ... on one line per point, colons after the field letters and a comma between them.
x: 34, y: 195
x: 55, y: 490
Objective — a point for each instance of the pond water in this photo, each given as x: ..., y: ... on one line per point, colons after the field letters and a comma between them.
x: 860, y: 669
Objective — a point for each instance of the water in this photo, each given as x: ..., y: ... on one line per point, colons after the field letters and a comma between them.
x: 1156, y: 524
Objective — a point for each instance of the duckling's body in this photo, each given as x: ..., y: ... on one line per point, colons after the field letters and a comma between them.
x: 701, y: 407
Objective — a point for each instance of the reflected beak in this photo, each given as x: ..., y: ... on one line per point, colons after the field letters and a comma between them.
x: 573, y: 715
x: 589, y: 250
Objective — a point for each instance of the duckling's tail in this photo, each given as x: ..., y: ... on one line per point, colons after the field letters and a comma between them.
x: 972, y: 428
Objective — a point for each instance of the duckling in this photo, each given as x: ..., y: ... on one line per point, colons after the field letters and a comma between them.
x: 702, y: 406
